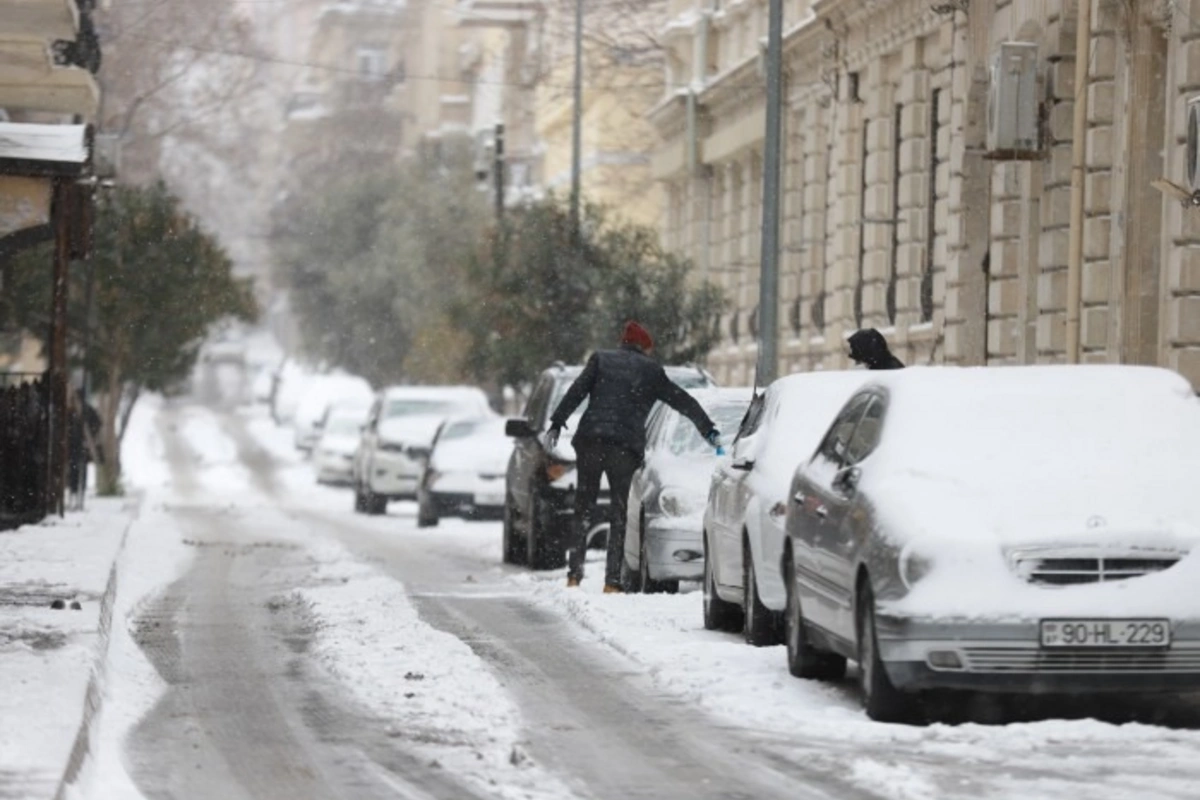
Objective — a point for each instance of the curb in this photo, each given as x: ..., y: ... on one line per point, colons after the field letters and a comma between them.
x: 93, y: 698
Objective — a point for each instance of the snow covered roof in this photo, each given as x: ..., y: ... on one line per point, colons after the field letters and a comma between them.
x: 42, y: 149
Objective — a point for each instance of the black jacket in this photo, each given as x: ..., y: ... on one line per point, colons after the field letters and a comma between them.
x: 624, y: 385
x: 869, y: 347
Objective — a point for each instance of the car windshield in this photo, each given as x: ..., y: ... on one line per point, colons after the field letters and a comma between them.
x: 343, y: 426
x: 685, y: 439
x: 406, y: 407
x: 458, y: 430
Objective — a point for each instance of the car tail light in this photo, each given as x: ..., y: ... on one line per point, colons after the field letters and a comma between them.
x: 556, y: 469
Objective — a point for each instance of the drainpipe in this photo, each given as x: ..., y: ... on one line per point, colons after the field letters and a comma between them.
x: 699, y: 79
x: 1083, y: 57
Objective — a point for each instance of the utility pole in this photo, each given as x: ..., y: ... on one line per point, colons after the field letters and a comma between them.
x: 576, y: 128
x: 498, y: 171
x: 768, y: 290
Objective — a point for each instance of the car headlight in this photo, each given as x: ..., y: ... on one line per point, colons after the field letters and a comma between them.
x: 556, y: 469
x: 678, y: 503
x: 913, y: 566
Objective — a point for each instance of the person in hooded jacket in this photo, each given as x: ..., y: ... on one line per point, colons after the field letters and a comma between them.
x: 623, y: 384
x: 868, y: 346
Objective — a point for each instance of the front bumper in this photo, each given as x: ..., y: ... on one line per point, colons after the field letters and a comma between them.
x: 395, y: 475
x: 1007, y: 658
x: 459, y: 504
x: 674, y: 553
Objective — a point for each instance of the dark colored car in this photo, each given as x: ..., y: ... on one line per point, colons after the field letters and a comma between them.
x: 540, y: 483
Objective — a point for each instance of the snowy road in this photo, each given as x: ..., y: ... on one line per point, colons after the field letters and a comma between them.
x: 305, y: 651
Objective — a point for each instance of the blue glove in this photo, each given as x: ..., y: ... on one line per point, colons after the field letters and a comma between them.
x: 713, y: 437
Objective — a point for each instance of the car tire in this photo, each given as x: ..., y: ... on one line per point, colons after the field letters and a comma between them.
x: 649, y: 584
x: 719, y: 615
x: 512, y: 546
x: 360, y: 500
x: 544, y: 550
x: 427, y: 516
x: 760, y: 624
x: 882, y: 700
x: 804, y: 660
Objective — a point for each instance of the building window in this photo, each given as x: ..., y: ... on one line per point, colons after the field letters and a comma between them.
x: 931, y: 212
x: 372, y: 63
x: 894, y: 271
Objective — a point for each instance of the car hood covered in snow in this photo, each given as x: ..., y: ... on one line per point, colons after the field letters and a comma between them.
x: 977, y: 468
x: 342, y: 445
x: 410, y: 431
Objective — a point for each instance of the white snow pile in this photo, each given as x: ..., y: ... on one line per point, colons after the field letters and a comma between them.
x: 978, y: 466
x: 442, y: 699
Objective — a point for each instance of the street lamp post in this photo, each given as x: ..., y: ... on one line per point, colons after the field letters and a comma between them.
x: 576, y: 127
x: 768, y: 298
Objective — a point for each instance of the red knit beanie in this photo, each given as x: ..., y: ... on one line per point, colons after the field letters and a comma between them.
x: 637, y: 336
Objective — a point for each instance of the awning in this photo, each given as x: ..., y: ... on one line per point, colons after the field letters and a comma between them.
x: 44, y: 150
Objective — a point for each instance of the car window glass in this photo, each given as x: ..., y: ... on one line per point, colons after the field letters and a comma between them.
x: 686, y: 440
x: 836, y: 442
x: 535, y: 409
x: 457, y: 430
x: 866, y: 433
x: 753, y: 416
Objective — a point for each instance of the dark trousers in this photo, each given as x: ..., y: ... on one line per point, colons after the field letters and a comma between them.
x: 593, y: 459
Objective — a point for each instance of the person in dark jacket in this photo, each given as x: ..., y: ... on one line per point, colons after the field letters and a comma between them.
x: 623, y: 385
x: 869, y: 347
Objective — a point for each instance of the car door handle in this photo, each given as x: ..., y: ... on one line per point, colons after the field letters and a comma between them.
x: 821, y: 511
x: 799, y: 498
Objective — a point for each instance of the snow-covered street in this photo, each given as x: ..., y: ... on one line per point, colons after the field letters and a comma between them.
x: 269, y: 643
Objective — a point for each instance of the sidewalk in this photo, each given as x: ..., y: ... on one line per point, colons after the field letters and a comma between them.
x: 48, y: 656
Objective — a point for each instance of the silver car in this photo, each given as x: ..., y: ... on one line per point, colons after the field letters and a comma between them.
x: 666, y: 497
x: 747, y: 501
x: 1006, y: 530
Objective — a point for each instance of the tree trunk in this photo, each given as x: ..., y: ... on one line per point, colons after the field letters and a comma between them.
x: 108, y: 471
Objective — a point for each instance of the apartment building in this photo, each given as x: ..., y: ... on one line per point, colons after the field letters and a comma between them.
x: 902, y: 210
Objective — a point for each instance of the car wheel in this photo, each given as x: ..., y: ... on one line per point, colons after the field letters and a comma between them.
x: 804, y: 660
x: 761, y: 624
x: 649, y: 584
x: 719, y: 615
x: 360, y: 501
x: 511, y: 544
x: 882, y: 701
x: 544, y: 549
x: 427, y: 516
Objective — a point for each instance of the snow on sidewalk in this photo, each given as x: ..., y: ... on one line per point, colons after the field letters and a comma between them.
x: 47, y: 656
x: 824, y: 725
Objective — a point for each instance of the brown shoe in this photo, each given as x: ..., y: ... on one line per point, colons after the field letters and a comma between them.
x: 572, y: 583
x: 610, y: 588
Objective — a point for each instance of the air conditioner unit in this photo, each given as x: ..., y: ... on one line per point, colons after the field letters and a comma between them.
x: 1012, y: 113
x: 1193, y: 144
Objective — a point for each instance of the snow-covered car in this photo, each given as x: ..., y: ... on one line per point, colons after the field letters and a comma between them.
x: 341, y: 430
x: 1014, y: 529
x: 747, y: 501
x: 540, y: 481
x: 321, y: 392
x: 397, y: 437
x: 289, y: 383
x: 666, y: 496
x: 465, y: 473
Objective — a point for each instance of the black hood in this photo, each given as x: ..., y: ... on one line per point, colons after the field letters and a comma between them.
x: 869, y: 347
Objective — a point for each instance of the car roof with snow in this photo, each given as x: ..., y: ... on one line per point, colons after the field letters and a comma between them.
x: 433, y: 392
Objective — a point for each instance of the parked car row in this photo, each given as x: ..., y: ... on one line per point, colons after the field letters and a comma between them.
x: 1014, y: 530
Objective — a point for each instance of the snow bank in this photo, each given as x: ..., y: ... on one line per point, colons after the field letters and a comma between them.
x: 444, y: 701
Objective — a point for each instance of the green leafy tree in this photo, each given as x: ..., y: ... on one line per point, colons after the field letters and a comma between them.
x: 375, y: 260
x: 533, y: 299
x: 160, y: 283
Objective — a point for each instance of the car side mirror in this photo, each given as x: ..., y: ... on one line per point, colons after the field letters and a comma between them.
x: 743, y: 464
x: 846, y: 481
x: 519, y: 429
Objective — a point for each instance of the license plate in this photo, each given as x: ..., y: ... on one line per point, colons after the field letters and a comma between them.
x: 1106, y: 632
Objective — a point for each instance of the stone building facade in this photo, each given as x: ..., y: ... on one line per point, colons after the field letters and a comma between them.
x: 895, y: 214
